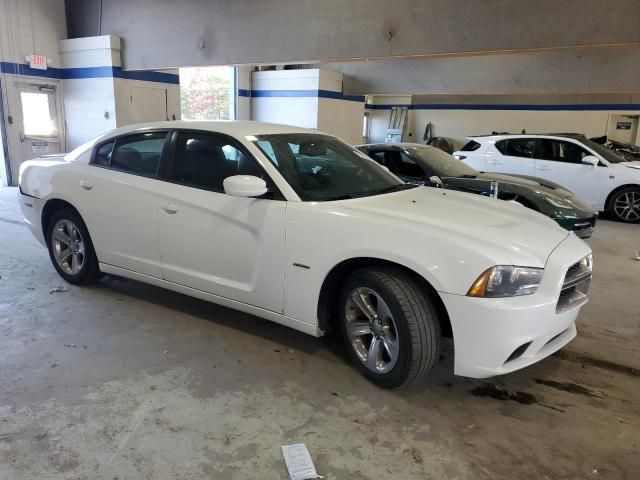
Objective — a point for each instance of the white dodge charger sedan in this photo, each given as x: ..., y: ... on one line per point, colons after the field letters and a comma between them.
x: 297, y: 227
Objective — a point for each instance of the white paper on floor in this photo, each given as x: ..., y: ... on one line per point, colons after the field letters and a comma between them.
x: 298, y: 461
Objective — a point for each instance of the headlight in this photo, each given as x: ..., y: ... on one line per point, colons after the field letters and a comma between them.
x: 558, y: 202
x: 506, y: 281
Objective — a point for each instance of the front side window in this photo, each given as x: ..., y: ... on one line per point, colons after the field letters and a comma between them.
x: 204, y: 161
x: 139, y: 153
x: 518, y: 147
x: 103, y: 154
x: 561, y: 151
x: 398, y: 163
x: 321, y: 168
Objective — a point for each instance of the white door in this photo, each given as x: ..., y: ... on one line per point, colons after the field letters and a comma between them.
x: 119, y: 192
x: 561, y: 161
x: 41, y: 130
x: 147, y: 104
x: 512, y: 155
x: 228, y: 246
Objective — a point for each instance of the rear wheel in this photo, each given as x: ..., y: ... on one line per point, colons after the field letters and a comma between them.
x: 390, y: 327
x: 625, y: 205
x: 71, y: 249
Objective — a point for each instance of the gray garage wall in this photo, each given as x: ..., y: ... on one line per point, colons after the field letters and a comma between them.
x: 163, y: 33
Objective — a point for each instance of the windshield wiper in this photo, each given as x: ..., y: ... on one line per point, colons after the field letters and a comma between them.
x: 392, y: 188
x: 389, y: 189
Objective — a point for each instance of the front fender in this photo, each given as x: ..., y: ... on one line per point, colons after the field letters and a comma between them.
x: 319, y: 238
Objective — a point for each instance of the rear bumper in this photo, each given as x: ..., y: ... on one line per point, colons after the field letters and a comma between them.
x: 32, y: 212
x: 497, y: 336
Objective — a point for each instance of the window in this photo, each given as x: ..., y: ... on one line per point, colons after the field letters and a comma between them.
x: 103, y: 154
x: 398, y: 163
x: 208, y: 93
x: 518, y: 147
x: 36, y: 112
x: 470, y: 146
x: 561, y: 151
x: 139, y: 154
x: 321, y: 168
x: 204, y: 161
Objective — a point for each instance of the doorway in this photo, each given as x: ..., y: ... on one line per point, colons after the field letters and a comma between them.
x: 5, y: 167
x: 623, y: 128
x: 34, y: 123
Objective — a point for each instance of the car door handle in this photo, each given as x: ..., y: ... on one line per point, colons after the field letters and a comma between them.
x: 85, y: 185
x: 544, y: 168
x: 169, y: 208
x: 494, y: 162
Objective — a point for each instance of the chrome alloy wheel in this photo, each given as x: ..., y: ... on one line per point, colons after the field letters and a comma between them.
x: 68, y: 246
x: 372, y: 330
x: 627, y: 206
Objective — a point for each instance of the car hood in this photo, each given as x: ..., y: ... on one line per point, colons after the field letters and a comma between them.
x: 635, y: 164
x: 547, y: 186
x: 520, y: 235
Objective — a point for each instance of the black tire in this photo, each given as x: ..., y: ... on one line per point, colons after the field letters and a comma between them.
x: 630, y: 196
x: 414, y: 317
x: 89, y: 271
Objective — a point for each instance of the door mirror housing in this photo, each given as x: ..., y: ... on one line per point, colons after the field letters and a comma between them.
x: 436, y: 181
x: 244, y: 186
x: 591, y: 160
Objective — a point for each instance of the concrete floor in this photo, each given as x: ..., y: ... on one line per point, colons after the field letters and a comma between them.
x: 127, y: 381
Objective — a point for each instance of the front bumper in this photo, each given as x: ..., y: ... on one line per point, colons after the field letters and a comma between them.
x: 493, y: 336
x: 582, y: 227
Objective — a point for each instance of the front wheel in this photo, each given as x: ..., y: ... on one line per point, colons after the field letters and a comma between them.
x: 389, y: 325
x: 71, y: 249
x: 625, y: 205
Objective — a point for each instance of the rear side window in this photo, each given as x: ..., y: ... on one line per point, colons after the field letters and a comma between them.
x: 518, y: 147
x: 470, y: 146
x: 139, y: 154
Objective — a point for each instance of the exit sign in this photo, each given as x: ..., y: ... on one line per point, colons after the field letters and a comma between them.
x: 37, y: 61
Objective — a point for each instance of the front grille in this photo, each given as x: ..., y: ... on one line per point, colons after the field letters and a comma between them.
x: 576, y: 285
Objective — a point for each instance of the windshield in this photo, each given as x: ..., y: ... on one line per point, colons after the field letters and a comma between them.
x: 320, y: 167
x: 608, y: 154
x: 441, y: 163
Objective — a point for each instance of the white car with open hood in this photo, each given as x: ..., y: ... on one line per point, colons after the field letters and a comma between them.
x: 297, y: 227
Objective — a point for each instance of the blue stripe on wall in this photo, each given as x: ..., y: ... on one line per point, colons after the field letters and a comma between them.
x: 88, y: 72
x: 300, y: 94
x: 548, y: 108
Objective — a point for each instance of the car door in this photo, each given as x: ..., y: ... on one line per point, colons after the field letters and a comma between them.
x: 118, y: 199
x: 232, y: 247
x: 512, y: 155
x: 561, y: 161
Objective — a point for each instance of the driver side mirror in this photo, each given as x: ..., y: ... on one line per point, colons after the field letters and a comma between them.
x: 244, y: 186
x: 591, y: 160
x: 436, y: 181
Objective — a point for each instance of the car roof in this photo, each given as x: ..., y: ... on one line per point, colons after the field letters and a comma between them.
x: 395, y: 146
x: 236, y: 128
x: 502, y: 136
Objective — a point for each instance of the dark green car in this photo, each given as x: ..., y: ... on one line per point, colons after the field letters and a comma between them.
x: 424, y: 165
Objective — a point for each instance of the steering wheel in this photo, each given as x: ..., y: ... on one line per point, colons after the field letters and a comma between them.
x: 326, y: 171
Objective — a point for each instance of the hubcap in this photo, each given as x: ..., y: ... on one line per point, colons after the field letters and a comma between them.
x: 372, y: 330
x: 627, y: 206
x: 68, y: 246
